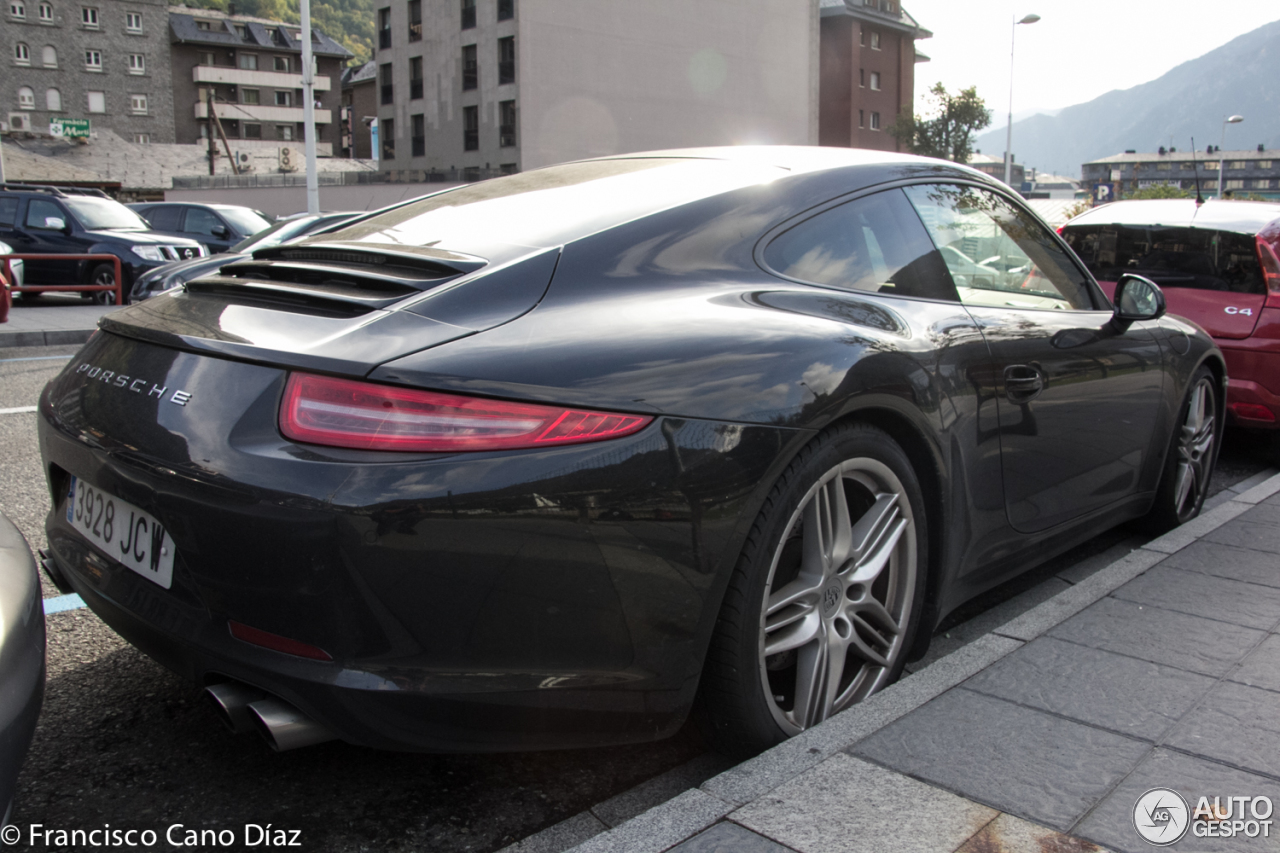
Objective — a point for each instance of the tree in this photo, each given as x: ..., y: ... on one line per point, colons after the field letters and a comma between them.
x: 1158, y: 191
x: 949, y: 133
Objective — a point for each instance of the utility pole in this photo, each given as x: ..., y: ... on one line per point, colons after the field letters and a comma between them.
x: 213, y: 148
x: 309, y: 110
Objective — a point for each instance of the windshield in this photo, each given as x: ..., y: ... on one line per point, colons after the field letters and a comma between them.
x: 1197, y: 258
x: 244, y: 220
x: 95, y: 213
x: 273, y: 236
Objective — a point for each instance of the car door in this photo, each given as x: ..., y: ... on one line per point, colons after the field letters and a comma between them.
x: 164, y: 218
x: 205, y: 226
x: 42, y: 231
x: 1079, y: 401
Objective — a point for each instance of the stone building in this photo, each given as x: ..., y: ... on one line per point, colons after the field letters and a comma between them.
x: 359, y: 110
x: 253, y: 67
x: 102, y: 60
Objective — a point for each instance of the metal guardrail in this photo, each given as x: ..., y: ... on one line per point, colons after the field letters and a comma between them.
x: 118, y: 287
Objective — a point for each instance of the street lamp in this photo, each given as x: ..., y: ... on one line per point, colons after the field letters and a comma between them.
x: 1008, y: 143
x: 1222, y: 177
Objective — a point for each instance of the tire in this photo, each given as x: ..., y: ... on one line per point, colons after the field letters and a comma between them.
x: 805, y: 630
x: 1193, y: 451
x: 106, y: 274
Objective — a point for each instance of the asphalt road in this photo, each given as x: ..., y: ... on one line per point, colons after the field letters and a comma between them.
x: 123, y: 742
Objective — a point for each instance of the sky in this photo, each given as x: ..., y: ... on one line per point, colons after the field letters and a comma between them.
x: 1079, y: 49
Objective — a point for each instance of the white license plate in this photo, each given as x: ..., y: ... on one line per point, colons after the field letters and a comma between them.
x: 123, y: 531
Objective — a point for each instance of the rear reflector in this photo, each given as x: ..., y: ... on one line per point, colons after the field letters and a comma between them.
x: 275, y: 642
x: 1270, y: 271
x: 346, y: 413
x: 1252, y: 412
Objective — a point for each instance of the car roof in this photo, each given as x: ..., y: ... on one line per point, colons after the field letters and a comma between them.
x: 1247, y: 217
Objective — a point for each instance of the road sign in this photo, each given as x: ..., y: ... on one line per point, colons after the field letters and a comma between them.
x: 1103, y: 193
x: 69, y: 127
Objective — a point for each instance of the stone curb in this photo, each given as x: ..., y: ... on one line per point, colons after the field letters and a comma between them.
x: 62, y: 337
x: 676, y: 820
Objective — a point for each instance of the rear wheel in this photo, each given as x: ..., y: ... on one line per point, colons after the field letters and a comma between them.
x: 826, y: 598
x: 105, y: 275
x: 1192, y: 453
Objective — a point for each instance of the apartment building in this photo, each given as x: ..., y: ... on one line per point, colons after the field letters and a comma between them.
x: 472, y: 88
x: 253, y: 69
x: 359, y: 110
x: 102, y: 60
x: 1246, y: 173
x: 868, y: 54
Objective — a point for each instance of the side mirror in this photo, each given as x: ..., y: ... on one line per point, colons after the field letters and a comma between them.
x: 1136, y: 299
x: 221, y: 232
x: 55, y: 223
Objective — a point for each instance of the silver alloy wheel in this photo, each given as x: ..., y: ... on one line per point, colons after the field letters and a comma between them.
x: 105, y: 277
x: 840, y: 590
x: 1195, y: 448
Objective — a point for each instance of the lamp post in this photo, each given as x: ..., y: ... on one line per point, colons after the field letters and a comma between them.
x: 1222, y: 164
x: 1008, y: 142
x: 309, y: 110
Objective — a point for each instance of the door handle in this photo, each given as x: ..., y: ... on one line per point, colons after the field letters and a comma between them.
x: 1023, y: 382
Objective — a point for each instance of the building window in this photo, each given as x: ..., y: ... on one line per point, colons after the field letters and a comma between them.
x: 387, y: 92
x: 284, y: 132
x: 470, y: 68
x: 384, y: 29
x: 470, y: 128
x: 415, y: 78
x: 862, y: 118
x: 138, y: 104
x: 142, y: 139
x: 862, y: 37
x: 53, y: 100
x: 468, y: 14
x: 280, y: 63
x: 252, y: 131
x: 204, y: 25
x: 250, y: 96
x: 137, y: 64
x: 96, y: 101
x: 419, y: 138
x: 875, y: 41
x: 470, y: 174
x: 1235, y: 164
x: 207, y: 58
x: 506, y: 10
x: 133, y: 22
x: 17, y: 9
x: 1233, y: 185
x: 21, y: 54
x: 415, y: 20
x: 1263, y: 164
x: 46, y: 13
x: 506, y: 60
x: 506, y: 124
x: 93, y: 60
x: 49, y: 56
x: 507, y: 169
x: 875, y: 121
x: 284, y: 99
x: 249, y: 61
x: 242, y: 31
x: 862, y: 78
x: 387, y: 134
x: 875, y: 81
x: 26, y: 98
x: 89, y: 17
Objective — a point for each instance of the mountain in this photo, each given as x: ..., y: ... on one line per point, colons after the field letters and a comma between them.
x: 349, y: 22
x: 1190, y: 100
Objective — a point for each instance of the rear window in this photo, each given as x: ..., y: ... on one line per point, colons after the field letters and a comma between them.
x: 1197, y: 258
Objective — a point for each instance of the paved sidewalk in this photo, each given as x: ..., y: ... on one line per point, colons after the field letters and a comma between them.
x: 51, y: 321
x: 1161, y: 670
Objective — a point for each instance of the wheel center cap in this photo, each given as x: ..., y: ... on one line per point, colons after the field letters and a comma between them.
x: 832, y: 594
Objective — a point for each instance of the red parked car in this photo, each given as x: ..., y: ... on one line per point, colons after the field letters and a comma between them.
x: 1219, y: 266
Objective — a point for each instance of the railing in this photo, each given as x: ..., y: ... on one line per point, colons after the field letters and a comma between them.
x: 384, y: 39
x: 118, y: 287
x: 415, y: 31
x: 470, y: 140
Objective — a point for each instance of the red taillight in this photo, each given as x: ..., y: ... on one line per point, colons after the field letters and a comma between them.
x: 1253, y: 412
x: 1270, y: 271
x: 346, y: 413
x: 275, y: 642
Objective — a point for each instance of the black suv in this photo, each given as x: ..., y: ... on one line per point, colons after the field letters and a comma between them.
x: 217, y: 226
x: 49, y: 220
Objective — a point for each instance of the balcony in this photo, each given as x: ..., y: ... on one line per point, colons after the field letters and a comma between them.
x: 259, y: 112
x: 265, y: 79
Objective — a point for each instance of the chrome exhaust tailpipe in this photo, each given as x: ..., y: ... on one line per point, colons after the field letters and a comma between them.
x: 284, y: 727
x: 231, y: 703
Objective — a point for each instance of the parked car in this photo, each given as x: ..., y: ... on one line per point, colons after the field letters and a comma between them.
x: 17, y: 269
x: 50, y: 220
x: 551, y: 459
x: 1219, y: 265
x: 22, y: 658
x: 162, y: 278
x: 216, y: 226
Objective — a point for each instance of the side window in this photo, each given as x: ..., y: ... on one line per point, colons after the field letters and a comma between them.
x: 874, y: 244
x: 8, y: 210
x: 998, y: 255
x: 163, y: 218
x: 38, y: 210
x: 201, y: 221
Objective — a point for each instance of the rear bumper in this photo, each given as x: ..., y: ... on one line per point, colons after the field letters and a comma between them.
x: 482, y: 602
x: 1253, y: 372
x: 22, y: 655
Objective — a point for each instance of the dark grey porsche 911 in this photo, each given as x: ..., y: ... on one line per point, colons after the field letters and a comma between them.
x: 553, y: 459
